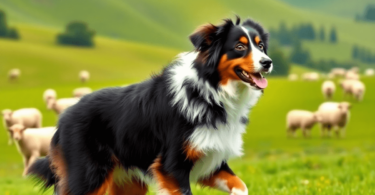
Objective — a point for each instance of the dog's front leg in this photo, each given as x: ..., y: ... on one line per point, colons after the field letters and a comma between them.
x: 225, y: 180
x: 172, y: 175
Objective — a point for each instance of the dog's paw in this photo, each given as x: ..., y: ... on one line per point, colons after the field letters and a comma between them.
x: 236, y: 191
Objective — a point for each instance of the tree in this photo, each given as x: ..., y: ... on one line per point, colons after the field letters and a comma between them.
x: 281, y: 63
x: 333, y: 35
x: 370, y: 13
x: 77, y: 33
x: 355, y: 52
x: 4, y: 30
x: 322, y: 35
x: 299, y: 55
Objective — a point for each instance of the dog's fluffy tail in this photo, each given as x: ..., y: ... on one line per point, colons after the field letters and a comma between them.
x: 41, y: 170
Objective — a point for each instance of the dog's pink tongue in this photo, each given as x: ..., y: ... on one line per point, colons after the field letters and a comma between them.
x: 260, y: 82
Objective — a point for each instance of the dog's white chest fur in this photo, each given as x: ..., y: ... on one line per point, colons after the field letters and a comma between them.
x: 225, y: 142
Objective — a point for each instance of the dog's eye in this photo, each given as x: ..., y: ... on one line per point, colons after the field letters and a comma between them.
x: 261, y: 46
x: 240, y: 47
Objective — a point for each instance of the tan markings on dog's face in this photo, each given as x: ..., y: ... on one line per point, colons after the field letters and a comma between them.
x: 244, y: 40
x: 257, y: 40
x: 227, y: 67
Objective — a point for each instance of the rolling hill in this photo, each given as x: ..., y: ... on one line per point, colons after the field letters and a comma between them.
x: 168, y: 23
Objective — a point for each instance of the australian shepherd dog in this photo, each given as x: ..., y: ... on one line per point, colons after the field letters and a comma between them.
x: 180, y: 126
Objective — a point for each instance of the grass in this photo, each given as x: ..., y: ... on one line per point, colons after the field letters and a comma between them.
x: 272, y: 163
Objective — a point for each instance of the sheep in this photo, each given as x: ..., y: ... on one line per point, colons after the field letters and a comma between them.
x: 310, y: 76
x: 31, y: 142
x: 28, y: 117
x: 293, y: 77
x: 351, y: 75
x: 346, y: 86
x: 339, y: 72
x: 79, y: 92
x: 328, y: 89
x: 300, y: 119
x: 334, y: 115
x: 49, y: 94
x: 84, y: 75
x: 370, y: 72
x: 355, y: 70
x: 358, y: 90
x: 61, y: 104
x: 13, y: 74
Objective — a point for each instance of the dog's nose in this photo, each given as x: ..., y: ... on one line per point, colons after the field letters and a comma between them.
x: 266, y: 63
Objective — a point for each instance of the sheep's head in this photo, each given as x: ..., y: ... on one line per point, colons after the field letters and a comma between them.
x: 16, y: 131
x: 344, y: 107
x: 7, y: 114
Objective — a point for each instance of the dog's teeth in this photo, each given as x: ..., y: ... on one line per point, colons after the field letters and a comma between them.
x: 245, y: 73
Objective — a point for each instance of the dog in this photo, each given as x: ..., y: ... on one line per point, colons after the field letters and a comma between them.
x: 180, y: 126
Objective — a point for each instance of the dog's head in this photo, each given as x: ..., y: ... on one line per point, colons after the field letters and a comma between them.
x: 232, y: 52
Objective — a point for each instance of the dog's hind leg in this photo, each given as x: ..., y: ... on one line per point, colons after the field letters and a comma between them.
x: 133, y: 187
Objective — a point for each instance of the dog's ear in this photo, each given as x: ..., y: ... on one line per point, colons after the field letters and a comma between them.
x: 203, y: 36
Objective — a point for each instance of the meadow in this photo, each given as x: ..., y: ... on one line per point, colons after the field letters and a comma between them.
x: 272, y: 164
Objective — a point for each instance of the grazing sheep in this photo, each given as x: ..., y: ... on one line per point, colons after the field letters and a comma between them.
x: 351, y: 75
x: 79, y: 92
x: 334, y: 115
x: 28, y: 117
x: 61, y: 104
x: 370, y: 72
x: 49, y: 94
x: 13, y: 74
x: 346, y: 86
x: 300, y: 119
x: 338, y: 72
x: 310, y: 76
x: 355, y: 70
x: 84, y: 75
x: 328, y: 89
x: 358, y: 90
x: 293, y: 77
x: 31, y: 142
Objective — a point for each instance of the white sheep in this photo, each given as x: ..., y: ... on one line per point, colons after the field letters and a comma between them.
x: 346, y: 86
x: 358, y: 90
x: 370, y: 72
x: 354, y: 69
x: 333, y: 115
x: 84, y: 75
x: 79, y: 92
x: 338, y: 72
x: 28, y: 117
x: 310, y: 76
x: 351, y: 75
x: 13, y: 74
x: 31, y: 142
x: 48, y: 95
x: 293, y: 77
x: 61, y: 104
x: 328, y: 89
x: 302, y: 119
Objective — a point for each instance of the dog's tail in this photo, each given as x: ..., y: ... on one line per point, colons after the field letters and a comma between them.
x: 42, y: 171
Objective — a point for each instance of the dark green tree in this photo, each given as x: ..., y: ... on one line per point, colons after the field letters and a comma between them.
x: 370, y: 13
x: 279, y: 60
x: 299, y: 55
x: 333, y: 35
x: 355, y: 52
x: 5, y: 31
x: 322, y: 35
x: 78, y: 34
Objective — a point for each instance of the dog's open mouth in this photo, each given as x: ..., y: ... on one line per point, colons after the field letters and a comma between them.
x: 254, y: 79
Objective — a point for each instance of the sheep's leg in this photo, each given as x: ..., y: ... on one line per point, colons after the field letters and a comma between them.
x: 322, y: 131
x: 25, y: 164
x: 32, y: 159
x: 304, y: 132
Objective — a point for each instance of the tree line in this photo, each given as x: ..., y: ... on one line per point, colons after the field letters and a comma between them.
x: 362, y: 54
x: 368, y: 15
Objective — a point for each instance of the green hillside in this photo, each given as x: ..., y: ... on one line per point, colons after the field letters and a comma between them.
x: 342, y: 8
x: 168, y: 23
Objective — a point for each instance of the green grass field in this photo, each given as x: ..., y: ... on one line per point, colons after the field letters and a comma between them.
x: 272, y: 164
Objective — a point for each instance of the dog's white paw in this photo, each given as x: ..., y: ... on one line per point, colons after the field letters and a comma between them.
x: 236, y: 191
